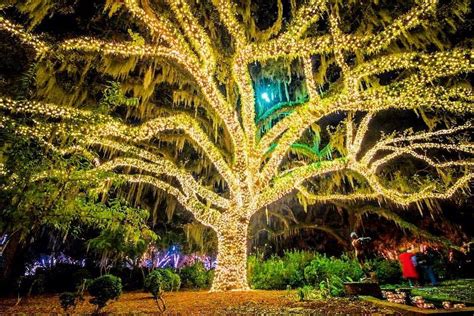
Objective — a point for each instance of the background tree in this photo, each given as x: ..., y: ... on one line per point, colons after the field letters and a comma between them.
x: 234, y: 114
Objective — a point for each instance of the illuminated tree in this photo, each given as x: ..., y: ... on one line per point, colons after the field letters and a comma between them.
x: 199, y: 133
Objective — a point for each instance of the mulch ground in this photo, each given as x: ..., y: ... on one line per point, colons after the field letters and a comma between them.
x: 202, y: 303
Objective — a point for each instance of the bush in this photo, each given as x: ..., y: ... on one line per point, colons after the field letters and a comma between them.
x: 308, y: 292
x: 103, y: 289
x: 154, y: 284
x: 388, y: 271
x: 195, y: 276
x: 279, y: 273
x: 67, y: 300
x: 171, y: 280
x: 329, y: 274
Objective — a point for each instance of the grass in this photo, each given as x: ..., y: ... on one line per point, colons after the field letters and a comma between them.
x: 452, y: 290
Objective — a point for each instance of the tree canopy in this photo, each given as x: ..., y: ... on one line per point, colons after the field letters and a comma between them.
x: 227, y: 107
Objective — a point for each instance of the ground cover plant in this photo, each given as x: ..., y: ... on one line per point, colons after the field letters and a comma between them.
x: 461, y: 291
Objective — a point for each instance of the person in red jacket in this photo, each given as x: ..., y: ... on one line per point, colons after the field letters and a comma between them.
x: 408, y: 263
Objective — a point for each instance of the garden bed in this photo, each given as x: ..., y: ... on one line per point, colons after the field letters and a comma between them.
x: 203, y: 302
x: 413, y: 310
x: 454, y: 296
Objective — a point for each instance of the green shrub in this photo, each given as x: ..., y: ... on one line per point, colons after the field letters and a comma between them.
x: 308, y: 292
x: 195, y: 276
x: 171, y: 280
x: 388, y: 271
x: 279, y: 273
x: 154, y: 284
x: 103, y: 289
x: 67, y: 300
x: 329, y: 274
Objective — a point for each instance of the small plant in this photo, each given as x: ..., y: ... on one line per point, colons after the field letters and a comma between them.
x: 154, y: 285
x: 195, y: 276
x: 307, y: 292
x: 113, y: 96
x: 171, y: 280
x: 68, y: 300
x: 387, y: 271
x: 103, y: 289
x: 331, y: 273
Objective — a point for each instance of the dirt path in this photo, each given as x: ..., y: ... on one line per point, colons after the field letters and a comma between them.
x: 203, y: 303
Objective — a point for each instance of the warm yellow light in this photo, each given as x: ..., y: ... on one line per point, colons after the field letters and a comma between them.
x: 253, y: 175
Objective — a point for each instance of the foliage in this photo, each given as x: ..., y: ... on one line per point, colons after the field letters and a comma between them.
x: 30, y: 284
x: 313, y: 274
x: 195, y: 276
x: 180, y: 113
x: 330, y: 273
x: 155, y: 283
x: 113, y: 96
x: 387, y: 271
x: 168, y: 280
x: 126, y: 237
x: 171, y: 280
x: 104, y: 289
x: 133, y: 277
x: 307, y: 292
x: 68, y: 300
x: 453, y: 290
x: 278, y: 273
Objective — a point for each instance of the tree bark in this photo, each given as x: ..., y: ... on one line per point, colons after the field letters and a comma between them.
x: 231, y: 269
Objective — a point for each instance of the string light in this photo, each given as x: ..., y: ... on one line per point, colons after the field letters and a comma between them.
x: 253, y: 172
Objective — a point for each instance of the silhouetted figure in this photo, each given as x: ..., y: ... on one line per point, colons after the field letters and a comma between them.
x: 363, y: 254
x: 467, y: 260
x: 425, y: 261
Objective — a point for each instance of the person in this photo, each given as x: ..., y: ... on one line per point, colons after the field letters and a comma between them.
x: 425, y: 261
x: 467, y: 260
x: 362, y: 254
x: 408, y: 264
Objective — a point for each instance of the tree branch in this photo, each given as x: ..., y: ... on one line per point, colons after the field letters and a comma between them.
x: 162, y: 166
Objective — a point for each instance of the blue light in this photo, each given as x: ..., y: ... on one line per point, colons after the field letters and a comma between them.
x: 265, y: 97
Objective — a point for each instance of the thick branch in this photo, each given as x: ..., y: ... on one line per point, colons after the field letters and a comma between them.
x: 206, y: 215
x: 195, y: 32
x: 291, y: 179
x: 38, y: 45
x: 409, y: 20
x: 227, y: 15
x: 405, y: 199
x: 102, y: 126
x: 162, y: 166
x: 322, y: 198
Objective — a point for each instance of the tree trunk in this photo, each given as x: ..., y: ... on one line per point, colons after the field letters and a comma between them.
x: 231, y: 270
x: 10, y: 256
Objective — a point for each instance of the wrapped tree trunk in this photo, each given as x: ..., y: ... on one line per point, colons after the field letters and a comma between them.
x: 231, y: 270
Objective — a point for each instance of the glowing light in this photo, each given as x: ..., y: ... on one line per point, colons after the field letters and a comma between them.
x: 254, y: 175
x: 265, y: 97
